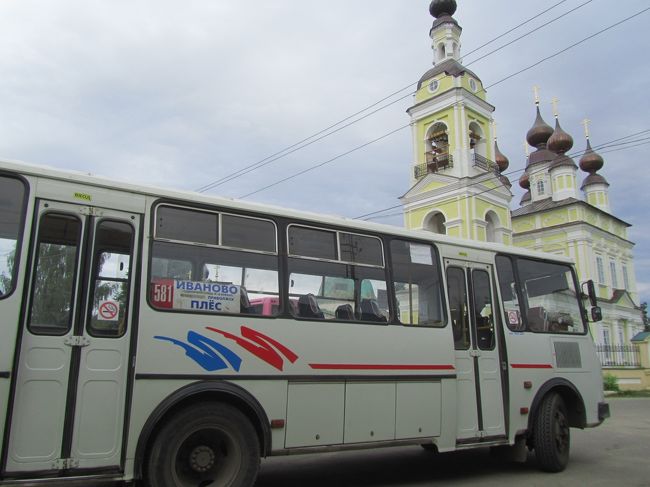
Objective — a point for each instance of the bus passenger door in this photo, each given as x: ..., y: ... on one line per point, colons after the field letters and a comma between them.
x: 480, y: 407
x: 69, y: 395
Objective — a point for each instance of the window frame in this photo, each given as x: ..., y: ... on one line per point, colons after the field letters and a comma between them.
x: 219, y: 213
x: 217, y: 210
x: 21, y: 232
x: 523, y: 297
x: 442, y: 283
x: 75, y: 302
x: 600, y: 270
x: 95, y: 277
x: 338, y: 231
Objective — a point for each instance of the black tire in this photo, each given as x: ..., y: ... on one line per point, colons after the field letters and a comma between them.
x: 205, y: 445
x: 552, y: 436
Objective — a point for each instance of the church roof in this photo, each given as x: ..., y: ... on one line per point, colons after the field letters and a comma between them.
x: 549, y: 204
x: 594, y: 178
x: 641, y: 336
x: 449, y: 67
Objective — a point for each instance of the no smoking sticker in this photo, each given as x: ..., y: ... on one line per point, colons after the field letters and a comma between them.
x: 108, y: 311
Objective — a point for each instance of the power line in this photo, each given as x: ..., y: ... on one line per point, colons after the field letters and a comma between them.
x: 311, y: 168
x: 609, y: 144
x: 515, y: 28
x: 530, y: 32
x: 322, y: 133
x: 575, y: 44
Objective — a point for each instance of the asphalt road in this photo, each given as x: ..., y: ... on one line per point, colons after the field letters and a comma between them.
x: 616, y: 453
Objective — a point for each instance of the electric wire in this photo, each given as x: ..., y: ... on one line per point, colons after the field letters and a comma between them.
x: 609, y: 146
x: 316, y: 166
x: 322, y: 133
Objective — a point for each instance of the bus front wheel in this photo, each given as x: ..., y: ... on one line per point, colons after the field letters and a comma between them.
x: 552, y: 436
x: 208, y: 444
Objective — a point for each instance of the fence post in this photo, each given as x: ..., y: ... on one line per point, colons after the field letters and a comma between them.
x: 643, y: 342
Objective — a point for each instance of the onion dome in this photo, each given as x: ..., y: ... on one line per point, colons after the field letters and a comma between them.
x: 525, y: 198
x: 505, y: 181
x: 560, y: 141
x: 540, y: 132
x: 591, y: 161
x: 438, y: 8
x: 501, y: 160
x: 443, y: 10
x: 524, y: 182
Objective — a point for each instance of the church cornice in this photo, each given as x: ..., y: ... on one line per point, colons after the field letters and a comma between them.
x: 541, y: 207
x: 569, y: 225
x: 474, y: 186
x: 456, y: 95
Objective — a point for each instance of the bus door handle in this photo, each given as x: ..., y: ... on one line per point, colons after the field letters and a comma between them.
x: 474, y: 353
x: 77, y: 341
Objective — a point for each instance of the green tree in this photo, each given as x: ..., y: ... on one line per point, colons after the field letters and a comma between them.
x: 7, y: 273
x: 644, y: 315
x: 53, y: 282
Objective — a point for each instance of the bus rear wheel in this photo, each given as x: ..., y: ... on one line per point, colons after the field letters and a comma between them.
x: 552, y: 437
x: 206, y: 445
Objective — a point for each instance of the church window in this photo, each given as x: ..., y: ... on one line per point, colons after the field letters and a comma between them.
x: 472, y: 84
x: 540, y: 187
x: 434, y: 84
x: 626, y: 280
x: 612, y: 269
x: 601, y: 270
x: 605, y: 335
x: 492, y: 222
x: 436, y: 223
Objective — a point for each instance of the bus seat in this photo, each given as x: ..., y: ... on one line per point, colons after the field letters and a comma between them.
x: 370, y: 311
x: 244, y: 301
x: 345, y: 312
x: 536, y: 318
x: 308, y: 307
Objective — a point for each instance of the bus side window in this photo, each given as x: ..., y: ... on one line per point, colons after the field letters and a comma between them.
x: 508, y: 291
x: 12, y: 208
x: 55, y: 273
x: 552, y: 297
x: 458, y: 311
x: 206, y: 261
x: 112, y: 272
x: 417, y: 285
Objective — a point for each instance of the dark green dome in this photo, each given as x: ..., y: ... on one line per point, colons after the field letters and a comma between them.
x: 442, y: 7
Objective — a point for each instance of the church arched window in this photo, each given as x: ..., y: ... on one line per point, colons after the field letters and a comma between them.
x: 492, y: 223
x: 540, y: 187
x: 435, y: 222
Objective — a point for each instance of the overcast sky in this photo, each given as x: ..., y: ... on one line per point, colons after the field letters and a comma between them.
x: 182, y: 93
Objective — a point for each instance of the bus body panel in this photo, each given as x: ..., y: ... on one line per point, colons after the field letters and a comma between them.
x: 324, y: 384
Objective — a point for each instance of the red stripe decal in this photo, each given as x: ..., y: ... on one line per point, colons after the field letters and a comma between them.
x: 531, y: 366
x: 379, y: 367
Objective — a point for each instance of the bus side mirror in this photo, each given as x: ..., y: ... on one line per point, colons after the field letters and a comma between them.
x: 591, y: 292
x: 596, y: 314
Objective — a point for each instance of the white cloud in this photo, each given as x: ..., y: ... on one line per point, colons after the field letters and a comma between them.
x: 178, y: 94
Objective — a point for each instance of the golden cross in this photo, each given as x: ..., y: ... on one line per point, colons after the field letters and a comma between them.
x: 586, y: 123
x: 536, y: 92
x: 494, y: 130
x: 554, y: 102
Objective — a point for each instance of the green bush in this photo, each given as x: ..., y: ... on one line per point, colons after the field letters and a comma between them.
x: 610, y: 383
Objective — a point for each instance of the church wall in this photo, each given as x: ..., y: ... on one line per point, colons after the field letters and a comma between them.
x: 445, y: 83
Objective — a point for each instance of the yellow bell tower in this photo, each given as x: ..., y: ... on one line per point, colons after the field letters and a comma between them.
x: 456, y: 183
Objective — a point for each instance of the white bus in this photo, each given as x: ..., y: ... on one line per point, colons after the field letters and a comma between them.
x: 177, y: 338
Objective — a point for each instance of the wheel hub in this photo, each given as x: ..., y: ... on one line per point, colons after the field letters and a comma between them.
x: 202, y: 458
